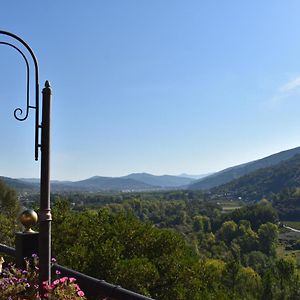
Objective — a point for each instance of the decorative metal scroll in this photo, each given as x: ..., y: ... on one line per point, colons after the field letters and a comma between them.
x: 19, y: 110
x: 19, y: 114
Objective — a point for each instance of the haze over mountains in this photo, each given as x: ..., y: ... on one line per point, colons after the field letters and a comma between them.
x: 149, y: 182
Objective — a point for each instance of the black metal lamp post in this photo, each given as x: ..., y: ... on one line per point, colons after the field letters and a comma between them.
x: 44, y: 145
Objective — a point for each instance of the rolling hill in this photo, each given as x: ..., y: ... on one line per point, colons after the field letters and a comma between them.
x: 20, y: 185
x: 263, y: 182
x: 99, y: 183
x: 149, y: 182
x: 131, y: 182
x: 235, y: 172
x: 163, y: 181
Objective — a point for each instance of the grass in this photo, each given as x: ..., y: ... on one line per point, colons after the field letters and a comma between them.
x: 286, y: 239
x: 229, y: 206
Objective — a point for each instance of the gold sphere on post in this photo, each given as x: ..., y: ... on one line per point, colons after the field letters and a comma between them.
x: 28, y: 218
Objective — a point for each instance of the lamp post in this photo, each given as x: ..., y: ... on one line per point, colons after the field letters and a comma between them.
x: 42, y: 142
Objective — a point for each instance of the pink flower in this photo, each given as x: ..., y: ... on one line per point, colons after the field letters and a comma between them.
x: 56, y: 282
x: 72, y: 279
x: 64, y: 279
x: 76, y: 286
x: 80, y: 293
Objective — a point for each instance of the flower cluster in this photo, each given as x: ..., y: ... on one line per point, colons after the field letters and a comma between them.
x: 63, y: 288
x: 19, y: 284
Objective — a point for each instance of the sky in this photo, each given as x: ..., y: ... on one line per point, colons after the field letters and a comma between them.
x: 164, y: 87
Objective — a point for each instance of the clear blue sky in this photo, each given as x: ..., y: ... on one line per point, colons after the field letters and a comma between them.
x: 163, y: 87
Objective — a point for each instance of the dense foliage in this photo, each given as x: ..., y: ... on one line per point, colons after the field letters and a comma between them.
x: 172, y: 245
x: 9, y: 211
x: 212, y: 256
x: 287, y: 203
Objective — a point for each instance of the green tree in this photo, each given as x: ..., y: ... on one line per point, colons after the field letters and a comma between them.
x: 201, y: 223
x: 247, y: 239
x: 284, y: 271
x: 268, y: 286
x: 153, y: 261
x: 137, y: 274
x: 9, y: 211
x: 230, y: 276
x: 257, y: 261
x: 227, y: 232
x: 249, y: 283
x: 268, y: 236
x: 212, y: 273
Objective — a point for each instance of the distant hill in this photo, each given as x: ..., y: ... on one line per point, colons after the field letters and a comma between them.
x: 263, y: 182
x: 30, y: 180
x: 20, y: 185
x: 195, y: 177
x: 98, y: 183
x: 131, y: 182
x: 232, y: 173
x: 163, y: 181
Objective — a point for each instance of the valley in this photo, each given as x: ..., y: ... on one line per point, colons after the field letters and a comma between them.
x: 233, y: 229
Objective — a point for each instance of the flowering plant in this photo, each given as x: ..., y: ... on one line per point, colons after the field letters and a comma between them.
x: 63, y: 288
x: 19, y: 284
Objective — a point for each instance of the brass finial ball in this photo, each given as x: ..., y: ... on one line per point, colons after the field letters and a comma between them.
x: 28, y: 218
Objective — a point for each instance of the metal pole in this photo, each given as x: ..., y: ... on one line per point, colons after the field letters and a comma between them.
x: 45, y: 211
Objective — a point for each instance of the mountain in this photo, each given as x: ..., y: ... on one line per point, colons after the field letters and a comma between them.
x: 235, y: 172
x: 195, y: 177
x: 148, y: 182
x: 99, y: 183
x: 263, y: 182
x: 131, y: 182
x: 163, y: 181
x: 30, y: 180
x: 20, y: 185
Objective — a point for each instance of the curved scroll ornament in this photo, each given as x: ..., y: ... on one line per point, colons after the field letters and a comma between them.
x: 19, y: 113
x: 19, y: 110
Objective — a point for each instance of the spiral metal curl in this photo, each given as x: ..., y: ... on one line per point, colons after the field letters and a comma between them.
x: 19, y: 113
x: 20, y: 110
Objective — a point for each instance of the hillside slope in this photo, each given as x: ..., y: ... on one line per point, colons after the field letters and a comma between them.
x: 98, y: 183
x: 161, y: 181
x: 235, y: 172
x: 263, y: 182
x: 20, y: 185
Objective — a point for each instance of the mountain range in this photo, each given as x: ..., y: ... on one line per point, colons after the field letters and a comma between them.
x: 254, y: 175
x: 131, y: 182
